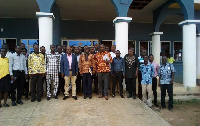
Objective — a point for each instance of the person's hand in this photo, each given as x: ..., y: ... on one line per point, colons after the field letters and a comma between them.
x: 12, y: 78
x: 63, y: 75
x: 76, y: 74
x: 171, y: 82
x: 81, y: 74
x: 136, y: 75
x: 93, y: 72
x: 43, y: 74
x: 30, y: 76
x: 107, y: 61
x: 124, y: 76
x: 112, y: 75
x: 26, y: 76
x: 159, y: 85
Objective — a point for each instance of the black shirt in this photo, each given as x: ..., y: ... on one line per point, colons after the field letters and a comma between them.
x: 130, y: 66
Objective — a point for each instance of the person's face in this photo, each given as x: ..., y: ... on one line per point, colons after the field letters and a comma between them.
x: 96, y: 46
x: 143, y: 52
x: 151, y: 58
x: 117, y: 54
x: 76, y: 50
x: 164, y: 59
x: 86, y: 49
x: 91, y: 50
x: 3, y: 53
x: 68, y: 50
x: 102, y: 48
x: 24, y: 52
x: 18, y: 50
x: 113, y: 48
x: 36, y: 49
x: 42, y: 50
x: 64, y: 48
x: 107, y: 49
x: 5, y: 46
x: 52, y: 47
x: 145, y: 59
x: 22, y: 46
x: 80, y: 50
x: 59, y: 49
x: 130, y: 52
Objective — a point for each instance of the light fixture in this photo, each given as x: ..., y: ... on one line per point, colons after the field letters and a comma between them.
x: 1, y: 29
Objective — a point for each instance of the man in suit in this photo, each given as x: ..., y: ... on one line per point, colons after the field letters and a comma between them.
x: 69, y: 70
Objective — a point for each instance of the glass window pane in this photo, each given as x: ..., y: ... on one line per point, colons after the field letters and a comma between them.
x: 31, y: 42
x: 30, y: 49
x: 165, y: 48
x: 95, y: 42
x: 64, y: 42
x: 79, y: 43
x: 144, y: 45
x: 178, y: 51
x: 114, y: 43
x: 25, y: 41
x: 0, y: 43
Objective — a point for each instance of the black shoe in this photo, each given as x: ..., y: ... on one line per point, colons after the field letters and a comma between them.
x: 85, y: 96
x: 5, y: 105
x: 90, y: 96
x: 134, y: 97
x: 171, y: 109
x: 113, y: 95
x: 122, y: 96
x: 75, y: 98
x: 129, y: 96
x: 48, y: 98
x: 66, y: 97
x: 39, y: 100
x: 33, y: 99
x: 26, y: 98
x: 14, y: 103
x: 20, y: 102
x: 156, y: 104
x: 56, y: 97
x: 0, y: 105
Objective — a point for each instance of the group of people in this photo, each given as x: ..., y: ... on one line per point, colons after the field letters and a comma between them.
x: 65, y: 69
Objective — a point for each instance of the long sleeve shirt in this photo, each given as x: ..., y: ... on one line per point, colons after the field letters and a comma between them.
x: 147, y: 73
x: 17, y: 62
x: 52, y: 62
x: 118, y: 65
x: 84, y: 65
x: 36, y: 63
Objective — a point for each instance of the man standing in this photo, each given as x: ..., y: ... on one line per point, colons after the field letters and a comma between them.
x: 69, y: 70
x: 43, y: 51
x: 96, y: 48
x: 64, y: 48
x: 131, y: 72
x: 166, y: 78
x: 118, y: 71
x: 103, y: 59
x: 113, y: 51
x: 87, y: 68
x: 26, y: 82
x: 36, y: 67
x: 18, y: 70
x: 52, y: 61
x: 154, y: 79
x: 147, y: 71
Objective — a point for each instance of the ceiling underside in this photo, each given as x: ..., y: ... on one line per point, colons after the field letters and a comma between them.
x: 100, y: 10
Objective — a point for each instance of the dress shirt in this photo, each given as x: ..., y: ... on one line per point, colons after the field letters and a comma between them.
x: 4, y: 67
x: 69, y: 57
x: 52, y: 63
x: 131, y: 65
x: 147, y: 73
x: 165, y: 73
x: 17, y: 62
x: 36, y: 63
x: 102, y: 66
x: 156, y: 68
x: 118, y: 65
x: 84, y: 65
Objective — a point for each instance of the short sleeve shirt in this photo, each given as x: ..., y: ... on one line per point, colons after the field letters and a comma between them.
x: 165, y: 73
x: 147, y: 73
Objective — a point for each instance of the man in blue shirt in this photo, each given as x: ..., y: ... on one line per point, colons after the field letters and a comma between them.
x: 118, y: 71
x: 166, y: 77
x: 147, y: 71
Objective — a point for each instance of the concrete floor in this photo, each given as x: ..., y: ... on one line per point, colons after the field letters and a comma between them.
x: 90, y: 112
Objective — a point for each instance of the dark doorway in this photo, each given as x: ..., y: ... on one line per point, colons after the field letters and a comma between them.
x: 107, y: 44
x: 11, y: 44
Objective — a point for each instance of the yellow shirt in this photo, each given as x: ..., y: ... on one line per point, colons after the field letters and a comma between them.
x: 170, y: 60
x: 36, y: 63
x: 4, y: 67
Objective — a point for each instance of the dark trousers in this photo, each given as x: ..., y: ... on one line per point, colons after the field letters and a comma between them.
x: 95, y: 78
x: 17, y: 84
x: 154, y: 88
x: 131, y: 82
x: 104, y: 80
x: 61, y: 84
x: 87, y: 83
x: 139, y: 85
x: 36, y: 79
x: 43, y: 80
x: 119, y: 76
x: 78, y: 83
x: 169, y: 88
x: 26, y: 88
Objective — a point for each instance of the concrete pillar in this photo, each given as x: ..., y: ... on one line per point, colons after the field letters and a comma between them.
x: 45, y: 23
x: 156, y: 46
x: 189, y: 52
x: 121, y: 34
x: 198, y: 57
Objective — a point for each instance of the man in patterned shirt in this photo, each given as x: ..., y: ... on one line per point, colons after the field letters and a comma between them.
x: 166, y: 77
x: 36, y: 68
x: 52, y: 61
x: 103, y: 59
x: 147, y: 71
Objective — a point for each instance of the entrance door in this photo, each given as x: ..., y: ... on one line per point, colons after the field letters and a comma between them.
x: 11, y: 44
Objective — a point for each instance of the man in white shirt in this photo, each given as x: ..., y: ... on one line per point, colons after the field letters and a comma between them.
x: 113, y: 53
x: 18, y: 73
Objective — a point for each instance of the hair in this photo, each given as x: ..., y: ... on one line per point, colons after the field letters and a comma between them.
x: 22, y: 44
x: 24, y: 49
x: 42, y: 47
x: 150, y: 55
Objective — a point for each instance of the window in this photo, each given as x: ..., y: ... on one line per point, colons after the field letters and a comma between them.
x: 178, y: 51
x: 145, y: 45
x: 29, y: 44
x: 165, y: 48
x: 11, y: 42
x: 79, y: 42
x: 131, y: 44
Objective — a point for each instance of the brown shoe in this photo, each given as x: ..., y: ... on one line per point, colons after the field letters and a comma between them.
x: 106, y: 97
x: 79, y: 94
x: 100, y: 96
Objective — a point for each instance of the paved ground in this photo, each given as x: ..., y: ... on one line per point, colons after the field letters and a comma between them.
x: 90, y: 112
